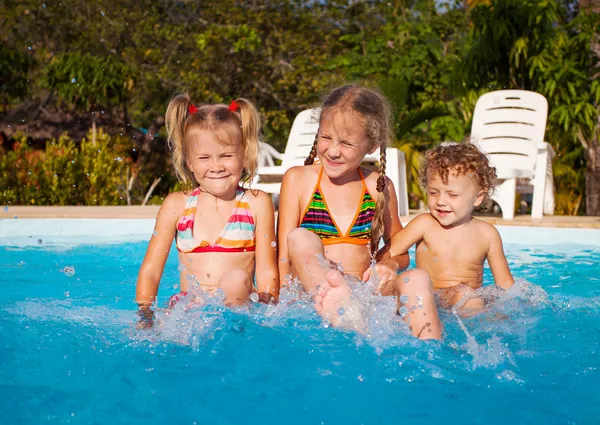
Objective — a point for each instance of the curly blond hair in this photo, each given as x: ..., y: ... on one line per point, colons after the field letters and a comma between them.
x: 462, y: 159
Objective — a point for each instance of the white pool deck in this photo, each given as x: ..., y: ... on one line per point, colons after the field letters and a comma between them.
x: 25, y: 225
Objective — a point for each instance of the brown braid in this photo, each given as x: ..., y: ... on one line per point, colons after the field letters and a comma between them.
x: 310, y: 160
x: 378, y: 222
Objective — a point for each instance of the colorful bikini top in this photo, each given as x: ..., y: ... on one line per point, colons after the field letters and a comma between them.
x: 236, y: 236
x: 318, y: 220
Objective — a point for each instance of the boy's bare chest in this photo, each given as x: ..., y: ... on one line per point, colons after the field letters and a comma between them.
x: 453, y: 247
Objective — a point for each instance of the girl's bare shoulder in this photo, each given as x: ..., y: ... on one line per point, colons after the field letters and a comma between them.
x: 174, y: 201
x: 302, y: 177
x: 259, y: 200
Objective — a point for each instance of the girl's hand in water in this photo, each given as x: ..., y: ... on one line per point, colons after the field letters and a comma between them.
x: 146, y: 318
x: 385, y: 270
x: 266, y: 298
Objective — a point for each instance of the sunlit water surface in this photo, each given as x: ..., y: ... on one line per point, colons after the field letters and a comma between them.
x: 69, y: 351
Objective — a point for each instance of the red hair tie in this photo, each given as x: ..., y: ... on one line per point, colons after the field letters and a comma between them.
x: 192, y: 109
x: 233, y: 106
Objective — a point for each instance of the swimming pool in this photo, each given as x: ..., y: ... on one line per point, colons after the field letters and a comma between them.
x: 69, y: 352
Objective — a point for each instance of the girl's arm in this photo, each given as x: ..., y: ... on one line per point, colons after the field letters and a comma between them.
x: 156, y: 256
x: 497, y: 260
x: 289, y: 216
x: 267, y: 275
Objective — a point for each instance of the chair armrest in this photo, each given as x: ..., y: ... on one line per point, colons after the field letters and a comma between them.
x: 276, y: 170
x: 270, y: 150
x: 512, y: 173
x: 546, y: 146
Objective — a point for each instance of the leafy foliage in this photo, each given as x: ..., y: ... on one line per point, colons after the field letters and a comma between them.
x: 66, y: 173
x: 433, y: 59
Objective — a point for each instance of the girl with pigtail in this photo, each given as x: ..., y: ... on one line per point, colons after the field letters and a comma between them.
x: 338, y: 211
x: 224, y: 232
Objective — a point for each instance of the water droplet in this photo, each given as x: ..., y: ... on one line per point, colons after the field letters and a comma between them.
x: 273, y: 244
x: 406, y: 280
x: 403, y: 311
x: 67, y: 294
x: 102, y: 13
x: 6, y: 208
x: 181, y: 267
x: 44, y: 5
x: 118, y: 159
x: 21, y: 264
x: 254, y: 297
x: 404, y: 299
x: 16, y: 217
x: 155, y: 233
x: 360, y: 378
x: 28, y: 47
x: 40, y: 241
x: 69, y: 271
x: 73, y: 80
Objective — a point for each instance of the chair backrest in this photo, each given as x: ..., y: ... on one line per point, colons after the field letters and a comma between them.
x: 302, y: 137
x: 509, y: 125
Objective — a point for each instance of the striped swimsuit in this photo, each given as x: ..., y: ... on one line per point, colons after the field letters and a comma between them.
x: 318, y: 219
x: 237, y: 235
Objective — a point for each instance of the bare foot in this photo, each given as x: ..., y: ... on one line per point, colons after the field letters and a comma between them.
x: 331, y: 296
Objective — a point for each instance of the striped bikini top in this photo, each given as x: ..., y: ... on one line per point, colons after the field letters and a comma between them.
x: 318, y: 220
x: 236, y: 236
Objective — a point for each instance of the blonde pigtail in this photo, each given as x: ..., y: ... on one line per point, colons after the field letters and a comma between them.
x: 310, y: 160
x: 251, y: 125
x: 175, y: 119
x: 377, y: 228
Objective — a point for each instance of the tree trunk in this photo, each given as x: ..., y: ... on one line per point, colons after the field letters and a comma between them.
x: 592, y: 179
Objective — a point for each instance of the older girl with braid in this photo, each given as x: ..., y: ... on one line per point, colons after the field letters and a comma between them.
x: 224, y: 232
x: 334, y: 212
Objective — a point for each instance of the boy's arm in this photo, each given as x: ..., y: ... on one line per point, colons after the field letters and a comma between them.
x: 497, y: 260
x: 267, y: 274
x: 156, y: 257
x: 410, y: 235
x: 288, y: 217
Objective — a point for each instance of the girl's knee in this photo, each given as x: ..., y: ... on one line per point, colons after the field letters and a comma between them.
x: 414, y: 281
x: 301, y: 240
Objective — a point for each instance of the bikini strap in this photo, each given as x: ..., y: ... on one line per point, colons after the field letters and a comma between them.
x: 362, y: 178
x: 318, y: 185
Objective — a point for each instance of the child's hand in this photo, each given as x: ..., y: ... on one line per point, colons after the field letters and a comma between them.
x: 146, y: 318
x: 266, y: 298
x: 385, y: 270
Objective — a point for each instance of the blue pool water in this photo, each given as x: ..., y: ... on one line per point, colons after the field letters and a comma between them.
x: 69, y: 352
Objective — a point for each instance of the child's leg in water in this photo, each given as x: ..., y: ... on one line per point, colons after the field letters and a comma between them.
x: 237, y: 286
x: 413, y: 290
x: 307, y: 257
x: 461, y: 298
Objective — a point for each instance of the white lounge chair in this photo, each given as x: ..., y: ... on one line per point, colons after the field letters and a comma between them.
x: 509, y: 126
x: 300, y: 141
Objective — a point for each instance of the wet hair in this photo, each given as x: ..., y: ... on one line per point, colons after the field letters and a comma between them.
x: 463, y: 159
x: 229, y: 126
x: 375, y: 112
